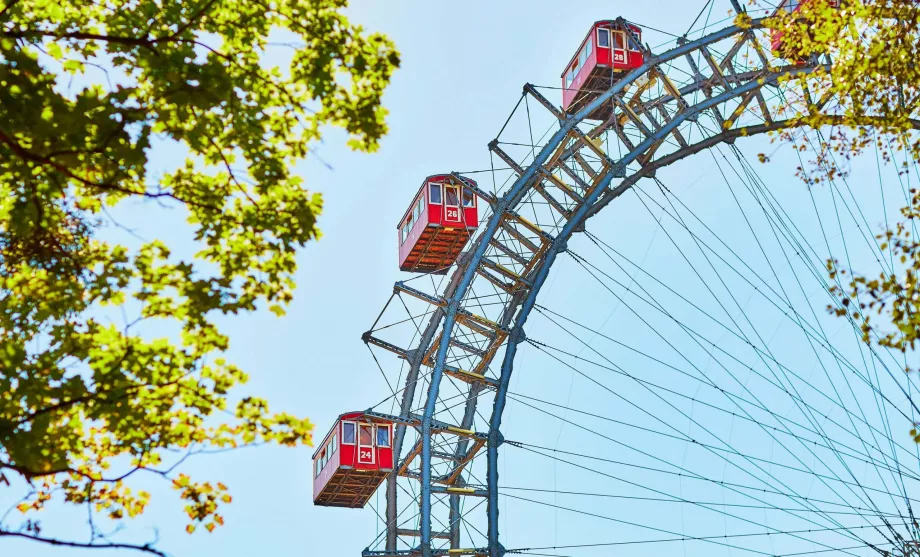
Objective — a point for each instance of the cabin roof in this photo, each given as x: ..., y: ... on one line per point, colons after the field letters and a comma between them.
x: 345, y: 416
x: 595, y: 25
x: 431, y: 178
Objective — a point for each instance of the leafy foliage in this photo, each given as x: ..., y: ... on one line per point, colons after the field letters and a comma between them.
x: 866, y: 92
x: 85, y: 404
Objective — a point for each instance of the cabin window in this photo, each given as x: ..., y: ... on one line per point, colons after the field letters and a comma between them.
x: 582, y: 57
x: 332, y: 446
x: 365, y: 436
x: 569, y: 77
x: 434, y: 195
x: 469, y: 200
x: 451, y: 197
x: 321, y: 462
x: 588, y: 48
x: 635, y: 47
x: 603, y: 38
x: 348, y: 433
x: 421, y: 206
x: 415, y: 213
x: 619, y: 40
x: 383, y: 436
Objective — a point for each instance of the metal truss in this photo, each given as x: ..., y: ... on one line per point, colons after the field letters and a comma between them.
x: 700, y: 93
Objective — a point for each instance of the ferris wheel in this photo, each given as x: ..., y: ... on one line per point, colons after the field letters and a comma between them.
x: 622, y: 337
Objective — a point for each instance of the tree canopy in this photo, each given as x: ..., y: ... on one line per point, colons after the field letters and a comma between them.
x: 864, y: 95
x: 86, y: 89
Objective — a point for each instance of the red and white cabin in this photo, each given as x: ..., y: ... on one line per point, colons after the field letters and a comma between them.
x: 352, y: 461
x: 607, y: 52
x: 436, y: 227
x: 791, y: 6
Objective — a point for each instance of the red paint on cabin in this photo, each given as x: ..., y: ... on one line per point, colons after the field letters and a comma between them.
x: 352, y: 461
x: 606, y: 53
x: 437, y: 226
x: 790, y: 6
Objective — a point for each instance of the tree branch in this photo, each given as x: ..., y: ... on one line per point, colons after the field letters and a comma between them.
x: 8, y: 6
x: 191, y: 21
x: 148, y: 43
x: 147, y: 548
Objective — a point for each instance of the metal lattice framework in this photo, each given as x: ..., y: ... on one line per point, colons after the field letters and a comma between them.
x: 699, y: 94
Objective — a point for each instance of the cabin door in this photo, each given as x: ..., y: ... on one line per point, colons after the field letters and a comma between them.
x: 365, y: 444
x: 452, y: 211
x: 619, y: 48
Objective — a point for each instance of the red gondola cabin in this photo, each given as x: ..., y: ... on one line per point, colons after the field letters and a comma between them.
x: 352, y: 461
x: 610, y: 49
x: 790, y: 6
x: 436, y: 227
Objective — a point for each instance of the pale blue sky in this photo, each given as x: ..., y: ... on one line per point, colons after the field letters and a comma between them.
x: 463, y: 66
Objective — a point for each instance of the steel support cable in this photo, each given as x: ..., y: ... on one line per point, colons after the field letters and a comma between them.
x: 827, y: 346
x: 882, y: 409
x: 867, y: 460
x: 708, y: 4
x: 876, y: 391
x: 817, y: 274
x: 652, y: 456
x: 709, y: 539
x: 904, y: 190
x: 802, y: 290
x: 809, y: 416
x: 580, y: 261
x: 683, y: 538
x: 647, y: 301
x: 797, y: 554
x: 714, y: 345
x: 688, y: 440
x: 879, y: 407
x: 844, y: 531
x: 705, y: 446
x: 872, y: 350
x: 792, y: 238
x: 791, y: 385
x: 815, y: 552
x: 669, y: 499
x: 731, y: 486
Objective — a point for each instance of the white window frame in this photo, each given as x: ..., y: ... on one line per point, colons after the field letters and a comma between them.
x: 373, y: 445
x: 638, y: 35
x: 472, y: 195
x: 389, y: 437
x: 440, y: 189
x: 459, y: 195
x: 343, y: 433
x: 606, y: 33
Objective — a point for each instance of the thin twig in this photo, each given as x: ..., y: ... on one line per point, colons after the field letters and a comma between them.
x: 147, y: 548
